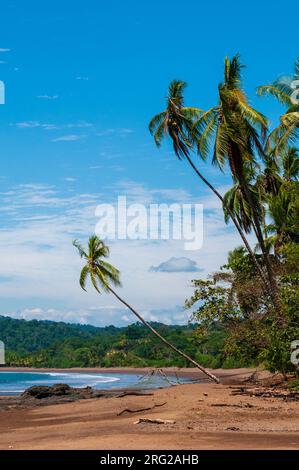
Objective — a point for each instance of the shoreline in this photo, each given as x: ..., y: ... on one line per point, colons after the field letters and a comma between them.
x: 189, y: 373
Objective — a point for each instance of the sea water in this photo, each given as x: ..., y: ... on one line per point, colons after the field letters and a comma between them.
x: 14, y: 383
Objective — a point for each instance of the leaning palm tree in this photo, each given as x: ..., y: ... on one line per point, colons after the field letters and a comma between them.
x: 236, y: 132
x: 103, y: 276
x: 177, y: 122
x: 286, y: 90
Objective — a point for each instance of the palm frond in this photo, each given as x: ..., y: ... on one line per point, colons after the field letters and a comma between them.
x: 83, y: 277
x: 156, y: 121
x: 80, y: 249
x: 272, y: 90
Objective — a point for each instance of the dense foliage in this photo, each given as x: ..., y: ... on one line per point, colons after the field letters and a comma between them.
x: 49, y: 344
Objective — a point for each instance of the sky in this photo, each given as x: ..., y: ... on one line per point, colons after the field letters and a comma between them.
x: 82, y: 81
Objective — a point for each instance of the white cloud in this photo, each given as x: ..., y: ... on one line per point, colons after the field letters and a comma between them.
x: 48, y: 97
x: 28, y: 124
x: 4, y: 50
x: 52, y: 126
x: 177, y: 265
x: 119, y: 132
x: 70, y: 138
x: 70, y: 179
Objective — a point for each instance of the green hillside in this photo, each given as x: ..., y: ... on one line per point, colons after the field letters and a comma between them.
x: 50, y: 344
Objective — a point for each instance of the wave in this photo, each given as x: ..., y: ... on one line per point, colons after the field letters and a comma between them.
x: 83, y: 376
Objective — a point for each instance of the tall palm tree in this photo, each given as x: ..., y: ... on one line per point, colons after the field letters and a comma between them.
x: 237, y: 132
x: 177, y: 122
x: 286, y: 90
x: 103, y: 275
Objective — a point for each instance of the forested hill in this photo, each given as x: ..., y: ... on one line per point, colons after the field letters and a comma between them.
x: 50, y: 344
x: 31, y: 336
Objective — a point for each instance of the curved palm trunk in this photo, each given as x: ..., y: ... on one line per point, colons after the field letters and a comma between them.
x: 155, y: 332
x: 237, y: 225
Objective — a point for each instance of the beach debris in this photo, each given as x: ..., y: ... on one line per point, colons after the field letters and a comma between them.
x: 154, y: 421
x: 233, y: 428
x: 236, y: 405
x: 159, y: 373
x: 127, y: 410
x: 263, y: 392
x: 134, y: 394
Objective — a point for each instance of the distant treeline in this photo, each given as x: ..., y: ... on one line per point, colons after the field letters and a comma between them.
x: 50, y: 344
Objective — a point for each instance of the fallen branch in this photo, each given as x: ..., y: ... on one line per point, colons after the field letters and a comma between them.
x: 154, y: 421
x: 127, y: 410
x: 241, y: 405
x: 135, y: 394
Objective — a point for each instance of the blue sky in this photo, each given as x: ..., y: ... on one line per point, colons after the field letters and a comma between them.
x: 82, y: 81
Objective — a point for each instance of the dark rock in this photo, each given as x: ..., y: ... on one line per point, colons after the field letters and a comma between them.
x: 41, y: 392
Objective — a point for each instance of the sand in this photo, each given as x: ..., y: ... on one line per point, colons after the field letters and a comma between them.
x: 244, y: 423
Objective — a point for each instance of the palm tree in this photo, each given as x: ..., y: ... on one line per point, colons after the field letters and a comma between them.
x: 269, y: 180
x: 286, y: 90
x: 290, y: 164
x: 177, y: 122
x: 237, y: 131
x: 284, y: 210
x: 235, y: 203
x: 103, y: 275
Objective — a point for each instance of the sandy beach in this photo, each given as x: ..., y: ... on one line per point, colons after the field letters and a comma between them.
x: 205, y: 416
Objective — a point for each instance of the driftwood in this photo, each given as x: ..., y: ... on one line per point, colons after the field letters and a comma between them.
x: 240, y: 405
x: 154, y: 421
x: 134, y: 394
x: 161, y: 373
x: 286, y: 395
x: 127, y: 410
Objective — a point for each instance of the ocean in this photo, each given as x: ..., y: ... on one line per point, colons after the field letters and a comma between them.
x: 14, y: 383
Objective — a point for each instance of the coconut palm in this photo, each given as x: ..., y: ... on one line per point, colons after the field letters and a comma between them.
x: 237, y: 131
x: 269, y: 180
x: 103, y: 276
x: 235, y: 202
x: 284, y: 212
x: 177, y: 122
x: 290, y: 164
x: 286, y: 90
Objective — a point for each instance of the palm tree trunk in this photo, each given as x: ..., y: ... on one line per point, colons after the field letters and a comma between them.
x: 155, y: 332
x: 238, y: 227
x: 260, y: 238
